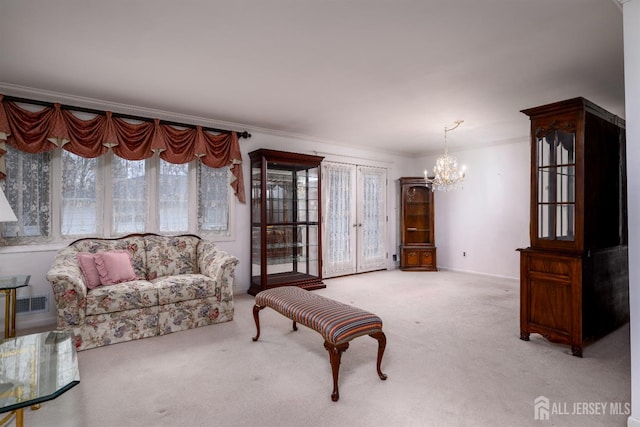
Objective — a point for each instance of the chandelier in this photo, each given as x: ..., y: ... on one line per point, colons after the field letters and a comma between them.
x: 446, y: 175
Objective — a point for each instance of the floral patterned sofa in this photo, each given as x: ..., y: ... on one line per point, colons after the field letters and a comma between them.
x: 182, y: 282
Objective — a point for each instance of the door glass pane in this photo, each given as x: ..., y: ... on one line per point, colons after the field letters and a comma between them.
x: 338, y: 215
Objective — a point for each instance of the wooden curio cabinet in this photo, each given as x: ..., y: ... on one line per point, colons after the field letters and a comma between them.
x: 285, y: 220
x: 417, y: 250
x: 574, y: 276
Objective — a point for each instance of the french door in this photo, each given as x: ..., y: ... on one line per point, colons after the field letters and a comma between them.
x: 355, y: 219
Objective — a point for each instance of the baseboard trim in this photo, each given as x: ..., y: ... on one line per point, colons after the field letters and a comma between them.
x: 458, y: 270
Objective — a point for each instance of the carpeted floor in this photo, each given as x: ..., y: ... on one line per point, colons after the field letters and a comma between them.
x: 453, y: 358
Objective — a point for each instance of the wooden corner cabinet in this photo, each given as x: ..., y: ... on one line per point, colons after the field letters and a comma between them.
x: 285, y: 220
x: 417, y: 250
x: 574, y: 282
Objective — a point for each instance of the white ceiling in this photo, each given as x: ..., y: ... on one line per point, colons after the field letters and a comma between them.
x: 386, y: 74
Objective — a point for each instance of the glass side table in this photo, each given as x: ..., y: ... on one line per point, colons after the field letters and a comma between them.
x: 8, y: 285
x: 35, y: 369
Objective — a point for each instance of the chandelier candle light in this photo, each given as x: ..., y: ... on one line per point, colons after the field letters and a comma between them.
x: 446, y: 172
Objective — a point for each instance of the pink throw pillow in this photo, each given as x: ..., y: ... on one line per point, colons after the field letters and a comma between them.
x: 89, y: 269
x: 114, y: 267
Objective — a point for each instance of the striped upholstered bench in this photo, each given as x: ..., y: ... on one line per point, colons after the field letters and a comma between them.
x: 338, y: 323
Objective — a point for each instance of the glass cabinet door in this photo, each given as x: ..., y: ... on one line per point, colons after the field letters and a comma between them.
x: 285, y: 235
x: 556, y: 184
x: 417, y: 215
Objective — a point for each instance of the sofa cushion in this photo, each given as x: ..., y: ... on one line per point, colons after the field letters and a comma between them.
x: 114, y: 267
x: 89, y: 270
x: 134, y: 244
x: 185, y: 287
x: 120, y: 297
x: 170, y: 256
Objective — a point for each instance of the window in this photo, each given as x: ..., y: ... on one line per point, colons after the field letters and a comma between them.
x: 61, y: 196
x: 174, y: 197
x: 27, y: 187
x: 213, y: 199
x: 129, y: 196
x: 79, y: 197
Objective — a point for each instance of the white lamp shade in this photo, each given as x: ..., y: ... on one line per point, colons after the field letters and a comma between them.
x: 6, y: 214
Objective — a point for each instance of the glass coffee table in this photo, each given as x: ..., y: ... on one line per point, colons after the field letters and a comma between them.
x: 8, y: 285
x: 34, y: 369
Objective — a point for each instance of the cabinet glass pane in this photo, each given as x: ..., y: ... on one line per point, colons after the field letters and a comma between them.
x: 279, y: 196
x: 556, y: 185
x: 292, y: 249
x: 255, y: 195
x: 255, y: 251
x: 416, y: 215
x: 566, y: 184
x: 565, y: 148
x: 565, y: 222
x: 546, y: 221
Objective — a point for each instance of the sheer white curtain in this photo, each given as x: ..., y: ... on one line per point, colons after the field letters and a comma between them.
x: 129, y: 196
x: 173, y: 195
x: 373, y: 217
x: 27, y: 188
x: 111, y: 196
x: 79, y: 198
x: 214, y: 199
x: 355, y: 219
x: 339, y: 218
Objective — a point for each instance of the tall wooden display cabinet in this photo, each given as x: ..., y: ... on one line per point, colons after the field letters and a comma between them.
x: 285, y: 220
x: 574, y: 276
x: 417, y: 236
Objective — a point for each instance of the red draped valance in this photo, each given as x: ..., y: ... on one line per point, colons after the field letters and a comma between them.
x: 51, y: 127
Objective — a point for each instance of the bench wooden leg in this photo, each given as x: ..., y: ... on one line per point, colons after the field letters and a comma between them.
x: 256, y: 317
x: 335, y: 354
x: 382, y: 343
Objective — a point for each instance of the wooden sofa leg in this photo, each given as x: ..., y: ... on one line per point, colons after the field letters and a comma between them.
x: 382, y: 343
x: 256, y: 317
x: 335, y: 354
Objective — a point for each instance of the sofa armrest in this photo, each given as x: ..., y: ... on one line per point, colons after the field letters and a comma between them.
x: 219, y: 265
x: 69, y: 288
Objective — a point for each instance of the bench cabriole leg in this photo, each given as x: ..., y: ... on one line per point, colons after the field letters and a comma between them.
x: 295, y: 326
x: 382, y: 343
x: 335, y: 354
x: 256, y: 317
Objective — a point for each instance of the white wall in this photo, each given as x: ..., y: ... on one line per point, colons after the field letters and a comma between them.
x: 489, y: 218
x: 631, y: 19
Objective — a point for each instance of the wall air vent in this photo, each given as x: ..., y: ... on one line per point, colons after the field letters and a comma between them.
x: 36, y: 304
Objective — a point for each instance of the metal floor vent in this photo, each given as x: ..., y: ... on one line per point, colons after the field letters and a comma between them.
x: 37, y: 304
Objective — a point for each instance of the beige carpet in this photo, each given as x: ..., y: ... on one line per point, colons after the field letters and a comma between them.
x: 453, y: 359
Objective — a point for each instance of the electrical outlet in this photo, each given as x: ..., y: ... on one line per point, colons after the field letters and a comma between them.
x: 395, y: 257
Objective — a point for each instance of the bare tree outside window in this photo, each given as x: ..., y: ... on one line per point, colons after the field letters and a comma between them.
x: 79, y: 198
